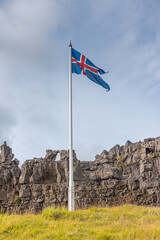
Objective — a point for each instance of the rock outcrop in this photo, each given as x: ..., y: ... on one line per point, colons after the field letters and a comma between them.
x: 125, y: 174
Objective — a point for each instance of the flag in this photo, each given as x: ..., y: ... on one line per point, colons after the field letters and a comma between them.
x: 82, y: 65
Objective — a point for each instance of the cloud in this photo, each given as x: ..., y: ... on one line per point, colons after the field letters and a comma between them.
x: 122, y: 37
x: 7, y: 122
x: 27, y: 29
x: 130, y: 31
x: 29, y: 61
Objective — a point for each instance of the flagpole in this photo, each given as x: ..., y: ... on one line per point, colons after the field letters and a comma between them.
x: 71, y: 182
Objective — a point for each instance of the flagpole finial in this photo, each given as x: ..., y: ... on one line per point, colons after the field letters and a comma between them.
x: 70, y: 44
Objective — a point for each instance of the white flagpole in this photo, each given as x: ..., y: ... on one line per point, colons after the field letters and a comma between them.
x: 71, y: 182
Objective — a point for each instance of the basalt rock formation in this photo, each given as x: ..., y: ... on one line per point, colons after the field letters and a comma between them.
x: 125, y: 174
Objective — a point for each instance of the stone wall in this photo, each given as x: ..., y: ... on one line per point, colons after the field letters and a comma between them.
x: 125, y: 174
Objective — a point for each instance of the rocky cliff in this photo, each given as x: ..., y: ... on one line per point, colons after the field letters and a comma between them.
x: 125, y: 174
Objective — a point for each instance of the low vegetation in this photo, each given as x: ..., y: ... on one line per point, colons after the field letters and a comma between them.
x: 125, y: 222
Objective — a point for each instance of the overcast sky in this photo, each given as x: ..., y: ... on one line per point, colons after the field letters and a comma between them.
x: 122, y: 36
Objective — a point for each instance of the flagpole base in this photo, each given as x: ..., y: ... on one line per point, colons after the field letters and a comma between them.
x: 71, y: 198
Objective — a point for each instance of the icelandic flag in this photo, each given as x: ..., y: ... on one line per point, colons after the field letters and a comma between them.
x: 82, y: 65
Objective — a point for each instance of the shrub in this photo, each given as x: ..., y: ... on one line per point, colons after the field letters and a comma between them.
x: 119, y: 157
x: 17, y: 199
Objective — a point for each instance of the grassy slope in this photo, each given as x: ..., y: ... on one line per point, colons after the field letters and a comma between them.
x: 126, y: 222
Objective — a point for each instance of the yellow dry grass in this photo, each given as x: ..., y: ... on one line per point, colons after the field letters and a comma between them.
x: 125, y: 222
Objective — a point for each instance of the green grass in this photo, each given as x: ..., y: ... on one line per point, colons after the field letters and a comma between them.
x: 125, y: 222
